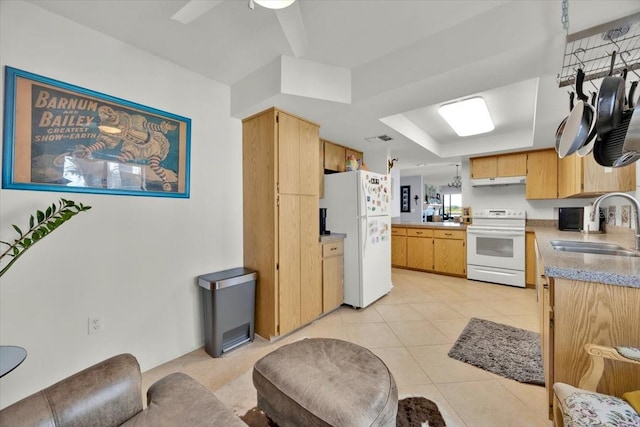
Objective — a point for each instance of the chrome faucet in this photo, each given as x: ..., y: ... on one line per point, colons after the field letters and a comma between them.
x: 636, y: 203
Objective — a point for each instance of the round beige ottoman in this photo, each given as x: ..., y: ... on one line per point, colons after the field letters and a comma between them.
x: 325, y: 382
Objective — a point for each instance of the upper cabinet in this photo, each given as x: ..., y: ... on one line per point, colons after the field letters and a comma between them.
x: 548, y: 177
x: 584, y: 177
x: 542, y: 175
x: 297, y: 155
x: 335, y: 156
x: 512, y: 164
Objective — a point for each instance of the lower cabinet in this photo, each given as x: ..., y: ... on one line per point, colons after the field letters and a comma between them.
x: 398, y: 247
x: 420, y: 249
x: 530, y: 259
x: 450, y: 252
x: 332, y: 275
x: 430, y: 249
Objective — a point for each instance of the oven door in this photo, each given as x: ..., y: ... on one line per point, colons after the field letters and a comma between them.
x: 499, y: 247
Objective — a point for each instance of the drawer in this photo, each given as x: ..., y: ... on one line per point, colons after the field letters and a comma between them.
x: 419, y: 232
x: 398, y: 231
x: 332, y: 249
x: 449, y: 234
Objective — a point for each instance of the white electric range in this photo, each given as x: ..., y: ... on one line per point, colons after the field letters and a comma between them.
x: 496, y: 247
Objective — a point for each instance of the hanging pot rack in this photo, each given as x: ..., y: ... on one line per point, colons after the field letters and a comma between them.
x: 591, y: 50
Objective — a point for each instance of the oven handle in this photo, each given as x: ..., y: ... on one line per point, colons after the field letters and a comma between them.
x: 493, y: 232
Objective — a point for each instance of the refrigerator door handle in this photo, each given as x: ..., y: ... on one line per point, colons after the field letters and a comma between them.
x: 366, y: 212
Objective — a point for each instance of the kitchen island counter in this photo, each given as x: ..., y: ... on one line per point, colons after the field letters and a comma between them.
x: 434, y: 225
x: 333, y: 237
x: 607, y: 269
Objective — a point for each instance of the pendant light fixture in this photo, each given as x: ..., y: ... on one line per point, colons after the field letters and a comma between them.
x: 457, y: 180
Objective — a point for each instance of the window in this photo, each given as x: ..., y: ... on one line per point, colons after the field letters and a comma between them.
x: 452, y: 205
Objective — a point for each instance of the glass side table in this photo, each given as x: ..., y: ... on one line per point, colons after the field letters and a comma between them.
x: 10, y: 357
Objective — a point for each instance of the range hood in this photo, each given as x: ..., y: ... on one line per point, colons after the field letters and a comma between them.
x: 505, y: 180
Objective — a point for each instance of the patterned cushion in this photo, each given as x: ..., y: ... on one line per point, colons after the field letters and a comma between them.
x: 629, y: 352
x: 583, y: 408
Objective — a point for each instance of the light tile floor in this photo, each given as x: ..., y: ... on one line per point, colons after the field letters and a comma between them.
x: 411, y: 329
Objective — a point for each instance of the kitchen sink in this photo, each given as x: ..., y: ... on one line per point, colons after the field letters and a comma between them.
x: 599, y: 248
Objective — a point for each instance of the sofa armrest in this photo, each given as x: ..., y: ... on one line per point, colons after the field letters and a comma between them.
x: 105, y: 394
x: 179, y: 400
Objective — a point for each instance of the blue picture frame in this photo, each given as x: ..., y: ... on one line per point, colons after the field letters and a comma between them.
x: 61, y: 137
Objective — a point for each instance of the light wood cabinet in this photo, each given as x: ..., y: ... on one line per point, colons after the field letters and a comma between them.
x: 280, y: 208
x: 542, y: 175
x: 450, y: 252
x: 484, y: 167
x: 320, y: 169
x: 420, y: 248
x: 544, y: 291
x: 332, y: 275
x: 511, y: 164
x: 398, y: 247
x: 438, y: 251
x: 530, y: 259
x: 584, y: 177
x: 334, y: 157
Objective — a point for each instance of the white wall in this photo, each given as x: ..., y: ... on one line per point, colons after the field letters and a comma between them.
x: 131, y: 260
x: 417, y: 188
x: 395, y: 193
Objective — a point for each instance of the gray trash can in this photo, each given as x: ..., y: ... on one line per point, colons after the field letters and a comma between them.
x: 229, y: 305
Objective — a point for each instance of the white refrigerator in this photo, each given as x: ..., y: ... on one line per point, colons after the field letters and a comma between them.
x: 358, y: 204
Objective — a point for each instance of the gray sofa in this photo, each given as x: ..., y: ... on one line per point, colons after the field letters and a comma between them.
x: 109, y: 394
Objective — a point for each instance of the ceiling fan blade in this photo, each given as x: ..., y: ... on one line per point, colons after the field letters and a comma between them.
x: 194, y: 9
x: 291, y: 22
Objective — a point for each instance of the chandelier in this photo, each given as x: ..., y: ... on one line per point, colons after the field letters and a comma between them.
x: 457, y: 180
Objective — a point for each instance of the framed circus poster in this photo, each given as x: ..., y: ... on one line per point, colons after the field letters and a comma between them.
x: 61, y: 137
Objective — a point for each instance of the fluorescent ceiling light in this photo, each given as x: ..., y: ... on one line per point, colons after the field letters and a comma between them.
x: 468, y: 117
x: 275, y: 4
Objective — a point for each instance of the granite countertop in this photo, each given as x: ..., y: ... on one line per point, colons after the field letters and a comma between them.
x: 326, y: 238
x: 454, y: 225
x: 608, y: 269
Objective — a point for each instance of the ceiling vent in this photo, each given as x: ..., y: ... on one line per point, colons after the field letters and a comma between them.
x: 379, y: 138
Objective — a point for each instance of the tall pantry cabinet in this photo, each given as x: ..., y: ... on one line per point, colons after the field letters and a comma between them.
x: 281, y: 221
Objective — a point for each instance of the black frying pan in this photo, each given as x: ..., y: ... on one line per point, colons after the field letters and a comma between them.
x: 591, y: 139
x: 631, y: 145
x: 610, y: 101
x: 580, y: 123
x: 608, y: 148
x: 562, y: 124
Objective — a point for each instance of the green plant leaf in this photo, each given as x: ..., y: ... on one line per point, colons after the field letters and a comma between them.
x: 53, y: 217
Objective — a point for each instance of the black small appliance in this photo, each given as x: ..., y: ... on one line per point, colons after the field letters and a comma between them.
x: 323, y: 222
x: 570, y: 219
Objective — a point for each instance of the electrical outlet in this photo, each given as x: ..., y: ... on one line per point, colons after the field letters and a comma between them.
x: 95, y: 325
